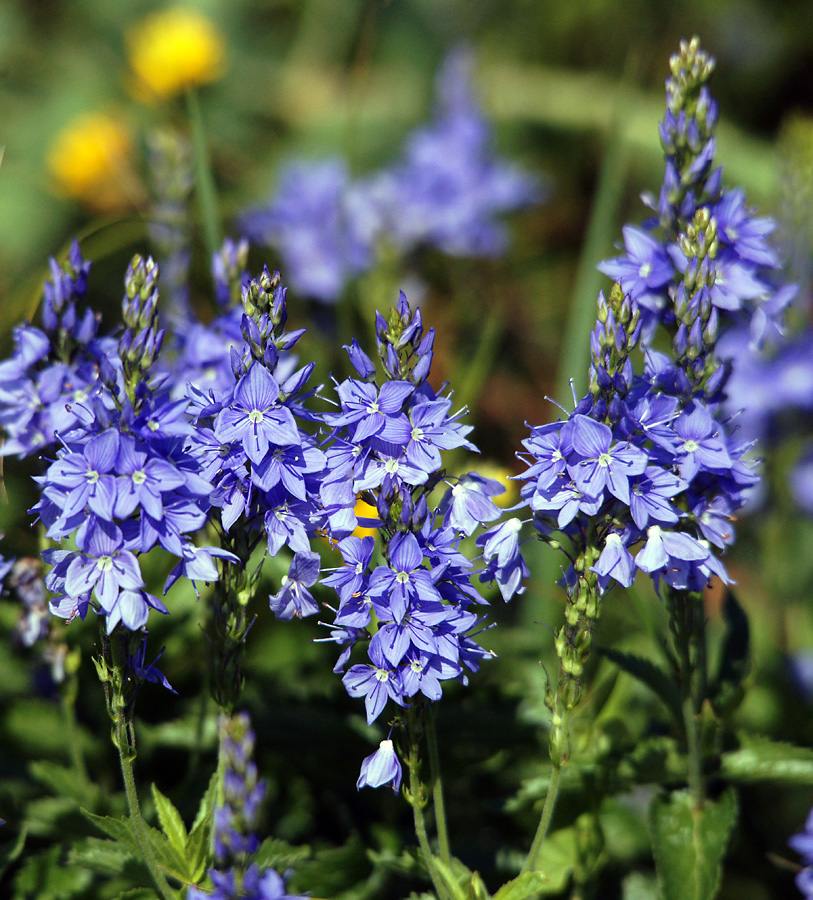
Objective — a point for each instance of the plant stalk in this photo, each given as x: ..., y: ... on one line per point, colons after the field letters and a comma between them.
x: 437, y: 788
x: 125, y: 742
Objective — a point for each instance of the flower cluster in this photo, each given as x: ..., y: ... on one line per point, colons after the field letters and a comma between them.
x: 123, y: 481
x: 236, y: 876
x: 264, y: 466
x: 803, y: 844
x: 413, y: 602
x: 653, y: 266
x: 53, y: 369
x: 447, y: 192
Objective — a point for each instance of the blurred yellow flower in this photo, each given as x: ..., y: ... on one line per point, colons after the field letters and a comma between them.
x: 173, y: 50
x: 365, y: 511
x: 500, y: 473
x: 89, y: 161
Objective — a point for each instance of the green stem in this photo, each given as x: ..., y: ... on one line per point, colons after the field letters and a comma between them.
x: 437, y: 788
x: 204, y: 180
x: 687, y: 626
x: 124, y: 744
x: 549, y: 805
x: 417, y: 801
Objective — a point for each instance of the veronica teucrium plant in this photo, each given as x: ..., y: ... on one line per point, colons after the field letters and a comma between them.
x: 197, y: 443
x: 406, y: 599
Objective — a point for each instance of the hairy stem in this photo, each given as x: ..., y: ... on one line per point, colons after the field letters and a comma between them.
x: 125, y: 743
x: 437, y: 788
x: 417, y: 799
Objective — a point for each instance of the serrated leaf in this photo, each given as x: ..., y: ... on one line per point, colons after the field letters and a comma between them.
x: 207, y: 803
x: 101, y: 854
x: 523, y: 887
x: 64, y: 781
x: 761, y: 759
x: 651, y: 675
x: 172, y: 861
x: 689, y: 843
x: 278, y: 854
x: 171, y: 822
x: 455, y: 877
x: 118, y: 829
x: 197, y: 852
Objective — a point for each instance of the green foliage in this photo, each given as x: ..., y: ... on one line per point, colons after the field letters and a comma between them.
x: 649, y: 674
x: 761, y: 759
x: 689, y: 843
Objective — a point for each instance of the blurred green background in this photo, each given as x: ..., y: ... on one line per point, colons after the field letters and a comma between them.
x: 575, y: 91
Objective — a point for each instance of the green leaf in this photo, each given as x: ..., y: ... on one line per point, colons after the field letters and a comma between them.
x: 136, y: 894
x: 455, y: 878
x: 64, y: 781
x: 689, y: 843
x: 557, y: 859
x: 651, y: 675
x: 9, y: 854
x: 207, y: 803
x: 638, y: 886
x: 118, y: 829
x: 523, y: 887
x: 172, y: 861
x: 761, y: 759
x: 197, y: 852
x: 45, y: 876
x: 102, y: 855
x: 171, y: 822
x: 278, y: 854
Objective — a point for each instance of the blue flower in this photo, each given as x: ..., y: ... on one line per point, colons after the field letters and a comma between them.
x: 376, y: 683
x: 380, y: 768
x: 255, y: 417
x: 293, y: 597
x: 803, y: 844
x: 598, y: 462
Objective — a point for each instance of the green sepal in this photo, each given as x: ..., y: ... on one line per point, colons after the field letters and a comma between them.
x: 651, y: 675
x: 171, y: 822
x: 761, y: 759
x: 689, y: 843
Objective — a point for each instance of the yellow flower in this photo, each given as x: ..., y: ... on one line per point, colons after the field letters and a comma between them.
x: 365, y: 511
x: 173, y: 50
x: 89, y: 161
x: 500, y: 473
